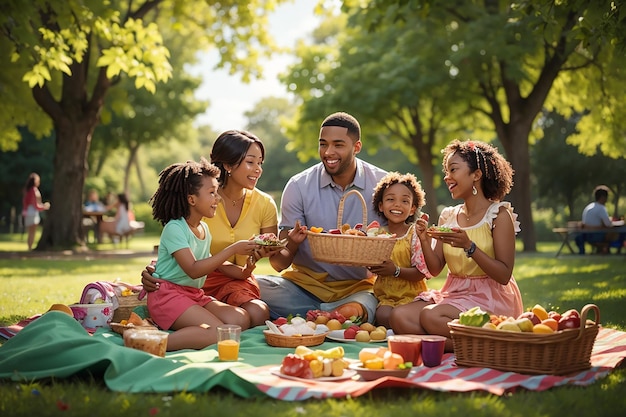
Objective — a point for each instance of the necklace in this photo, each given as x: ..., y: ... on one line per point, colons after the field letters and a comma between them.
x: 233, y: 201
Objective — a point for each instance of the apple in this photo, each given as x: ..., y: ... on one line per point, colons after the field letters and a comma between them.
x: 554, y: 315
x: 569, y: 320
x: 531, y: 316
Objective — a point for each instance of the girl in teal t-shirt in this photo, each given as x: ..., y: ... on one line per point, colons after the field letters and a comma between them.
x: 188, y: 192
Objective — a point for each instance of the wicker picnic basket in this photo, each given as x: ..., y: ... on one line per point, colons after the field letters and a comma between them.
x: 559, y: 353
x: 278, y: 340
x: 126, y: 305
x: 349, y: 249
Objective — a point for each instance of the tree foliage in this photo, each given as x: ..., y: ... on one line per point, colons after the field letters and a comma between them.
x: 508, y: 57
x: 65, y: 56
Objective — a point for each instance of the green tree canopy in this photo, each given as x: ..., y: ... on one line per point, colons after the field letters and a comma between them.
x: 64, y: 56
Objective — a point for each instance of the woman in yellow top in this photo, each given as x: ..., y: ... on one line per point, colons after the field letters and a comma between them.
x: 401, y: 278
x: 479, y: 250
x: 244, y: 211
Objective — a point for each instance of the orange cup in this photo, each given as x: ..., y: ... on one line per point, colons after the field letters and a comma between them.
x: 228, y: 338
x: 408, y: 346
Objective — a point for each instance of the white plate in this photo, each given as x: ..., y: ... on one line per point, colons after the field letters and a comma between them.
x: 337, y: 336
x: 347, y: 374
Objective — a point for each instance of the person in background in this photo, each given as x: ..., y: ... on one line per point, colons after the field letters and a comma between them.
x: 187, y: 193
x: 93, y: 203
x: 479, y: 250
x: 400, y: 279
x: 31, y: 206
x: 120, y: 225
x: 311, y: 198
x: 596, y: 216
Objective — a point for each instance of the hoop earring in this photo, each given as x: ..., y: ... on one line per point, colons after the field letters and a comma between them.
x: 474, y: 190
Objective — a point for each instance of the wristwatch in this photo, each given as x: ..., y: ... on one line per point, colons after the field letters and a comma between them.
x: 469, y: 252
x: 397, y: 273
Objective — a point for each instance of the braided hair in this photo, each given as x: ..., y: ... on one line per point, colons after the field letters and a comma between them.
x: 409, y: 181
x: 497, y: 178
x: 176, y: 182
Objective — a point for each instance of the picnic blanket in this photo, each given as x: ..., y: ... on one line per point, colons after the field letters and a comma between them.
x: 57, y: 346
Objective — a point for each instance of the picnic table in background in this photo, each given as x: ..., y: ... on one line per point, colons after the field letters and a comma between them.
x: 568, y: 234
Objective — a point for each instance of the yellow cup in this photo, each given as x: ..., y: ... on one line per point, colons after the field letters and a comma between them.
x: 228, y: 338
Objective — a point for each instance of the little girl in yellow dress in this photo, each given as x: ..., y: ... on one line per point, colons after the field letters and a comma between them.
x: 401, y: 278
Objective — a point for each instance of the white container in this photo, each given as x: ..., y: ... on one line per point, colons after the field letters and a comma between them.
x: 94, y: 315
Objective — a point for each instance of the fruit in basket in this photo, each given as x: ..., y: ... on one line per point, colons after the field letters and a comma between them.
x: 569, y: 320
x: 489, y: 325
x: 554, y: 315
x: 525, y: 324
x: 531, y: 316
x: 542, y: 328
x: 509, y: 325
x: 551, y: 323
x: 540, y: 312
x: 474, y: 317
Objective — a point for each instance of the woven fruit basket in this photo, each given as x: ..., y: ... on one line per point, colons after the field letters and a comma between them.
x: 278, y: 340
x: 559, y: 353
x: 126, y: 305
x: 350, y: 249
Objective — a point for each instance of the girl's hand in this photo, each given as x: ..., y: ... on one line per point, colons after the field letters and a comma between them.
x: 386, y: 268
x: 421, y: 225
x: 246, y: 247
x: 149, y: 282
x: 247, y: 270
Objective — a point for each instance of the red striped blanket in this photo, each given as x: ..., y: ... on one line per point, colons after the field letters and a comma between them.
x: 608, y: 352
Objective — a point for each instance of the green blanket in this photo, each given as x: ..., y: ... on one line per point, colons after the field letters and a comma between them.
x: 56, y: 345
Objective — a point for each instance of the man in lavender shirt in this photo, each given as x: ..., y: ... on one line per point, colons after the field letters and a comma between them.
x: 311, y: 198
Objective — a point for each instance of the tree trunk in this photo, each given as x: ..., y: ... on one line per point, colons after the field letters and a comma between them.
x: 516, y: 146
x: 63, y: 226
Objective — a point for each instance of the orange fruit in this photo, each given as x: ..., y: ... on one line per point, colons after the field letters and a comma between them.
x: 392, y: 360
x: 551, y: 323
x: 542, y: 328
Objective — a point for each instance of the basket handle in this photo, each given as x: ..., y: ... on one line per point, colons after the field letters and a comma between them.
x: 583, y: 317
x: 340, y: 210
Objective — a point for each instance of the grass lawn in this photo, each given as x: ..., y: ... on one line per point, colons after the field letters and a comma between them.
x: 29, y: 285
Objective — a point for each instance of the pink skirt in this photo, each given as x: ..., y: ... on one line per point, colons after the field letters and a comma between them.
x: 468, y: 292
x: 166, y: 304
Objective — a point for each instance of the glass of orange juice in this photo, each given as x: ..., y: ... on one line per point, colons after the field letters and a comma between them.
x: 228, y: 338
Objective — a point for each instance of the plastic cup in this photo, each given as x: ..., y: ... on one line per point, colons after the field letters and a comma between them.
x: 150, y: 341
x: 408, y: 346
x: 432, y: 350
x: 228, y: 338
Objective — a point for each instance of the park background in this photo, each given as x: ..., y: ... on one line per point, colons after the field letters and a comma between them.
x: 542, y: 83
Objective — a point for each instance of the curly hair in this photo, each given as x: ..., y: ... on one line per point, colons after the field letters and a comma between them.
x: 408, y: 180
x: 497, y: 178
x: 176, y: 182
x: 230, y: 148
